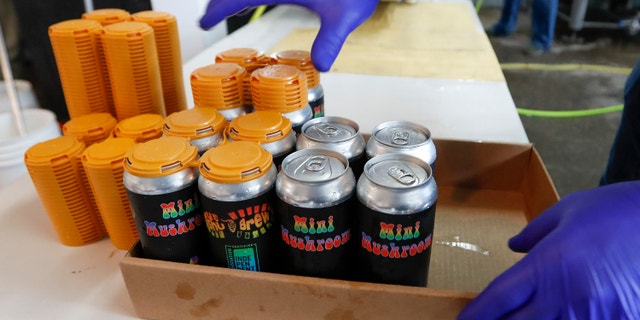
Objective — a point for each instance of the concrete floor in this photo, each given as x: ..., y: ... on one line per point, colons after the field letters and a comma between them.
x: 575, y: 150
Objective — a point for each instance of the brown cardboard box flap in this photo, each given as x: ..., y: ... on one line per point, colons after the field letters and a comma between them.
x: 487, y: 191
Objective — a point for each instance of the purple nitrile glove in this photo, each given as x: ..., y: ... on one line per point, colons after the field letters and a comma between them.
x: 338, y: 18
x: 583, y: 262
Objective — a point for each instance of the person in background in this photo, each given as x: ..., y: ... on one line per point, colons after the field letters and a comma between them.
x: 543, y: 22
x: 582, y: 258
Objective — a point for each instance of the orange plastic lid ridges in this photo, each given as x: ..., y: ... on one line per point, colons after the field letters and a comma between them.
x: 195, y: 123
x: 153, y: 17
x: 260, y: 126
x: 132, y: 60
x: 165, y: 27
x: 75, y: 45
x: 52, y: 151
x: 107, y: 16
x: 300, y: 59
x: 108, y: 153
x: 160, y: 157
x: 235, y: 162
x: 280, y: 88
x: 248, y: 58
x: 218, y: 85
x: 141, y: 128
x: 91, y: 127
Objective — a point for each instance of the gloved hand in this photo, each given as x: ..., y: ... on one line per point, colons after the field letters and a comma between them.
x: 338, y: 18
x: 583, y: 262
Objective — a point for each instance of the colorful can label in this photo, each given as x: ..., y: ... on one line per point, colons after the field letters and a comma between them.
x: 171, y: 225
x: 317, y: 241
x: 242, y: 234
x: 394, y: 249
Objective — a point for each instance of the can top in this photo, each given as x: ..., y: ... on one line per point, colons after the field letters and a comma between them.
x: 92, y: 126
x: 248, y: 58
x: 154, y: 17
x: 401, y: 134
x: 315, y: 165
x: 300, y: 59
x: 107, y: 16
x: 141, y: 128
x: 47, y: 152
x: 260, y: 126
x: 74, y: 27
x: 395, y: 171
x: 160, y: 157
x: 330, y: 129
x: 128, y: 29
x: 107, y: 153
x: 279, y: 87
x: 194, y: 123
x: 235, y: 162
x: 397, y: 184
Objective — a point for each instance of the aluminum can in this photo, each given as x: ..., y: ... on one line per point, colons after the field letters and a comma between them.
x: 160, y: 178
x: 337, y: 134
x: 301, y: 59
x: 402, y: 137
x: 315, y: 205
x: 237, y: 187
x: 282, y: 88
x: 270, y: 128
x: 204, y: 127
x: 397, y: 197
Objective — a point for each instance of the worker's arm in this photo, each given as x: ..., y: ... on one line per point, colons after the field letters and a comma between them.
x: 583, y: 262
x: 338, y: 18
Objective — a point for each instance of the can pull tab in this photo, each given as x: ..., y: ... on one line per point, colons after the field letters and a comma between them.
x: 403, y: 175
x: 316, y: 163
x: 328, y: 129
x: 400, y: 137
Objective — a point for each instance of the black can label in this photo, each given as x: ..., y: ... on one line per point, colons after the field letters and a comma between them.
x: 394, y: 249
x: 241, y: 234
x: 317, y: 241
x: 170, y: 226
x: 317, y: 105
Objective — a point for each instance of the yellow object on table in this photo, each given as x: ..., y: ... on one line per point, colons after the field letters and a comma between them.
x: 411, y: 40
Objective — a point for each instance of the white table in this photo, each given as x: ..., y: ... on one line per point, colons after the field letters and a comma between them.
x: 43, y: 279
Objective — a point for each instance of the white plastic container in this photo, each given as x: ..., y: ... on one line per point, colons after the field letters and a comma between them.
x: 40, y: 125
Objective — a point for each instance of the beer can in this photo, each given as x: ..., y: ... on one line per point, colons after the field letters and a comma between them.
x: 202, y: 127
x: 220, y: 86
x: 282, y: 88
x: 270, y: 128
x: 301, y: 59
x: 397, y: 197
x: 315, y: 191
x: 337, y: 134
x: 237, y: 191
x: 402, y: 137
x: 160, y: 180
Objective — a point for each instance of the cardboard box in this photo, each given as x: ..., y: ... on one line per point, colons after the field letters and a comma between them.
x: 487, y: 193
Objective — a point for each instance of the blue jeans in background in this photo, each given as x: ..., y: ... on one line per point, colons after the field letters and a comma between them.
x: 543, y: 21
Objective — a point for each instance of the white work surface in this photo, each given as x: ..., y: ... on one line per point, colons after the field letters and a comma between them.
x: 43, y: 279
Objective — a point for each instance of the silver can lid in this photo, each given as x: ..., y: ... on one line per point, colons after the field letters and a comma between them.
x: 315, y: 178
x: 330, y: 129
x: 397, y: 184
x: 397, y: 173
x: 400, y: 134
x: 314, y: 165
